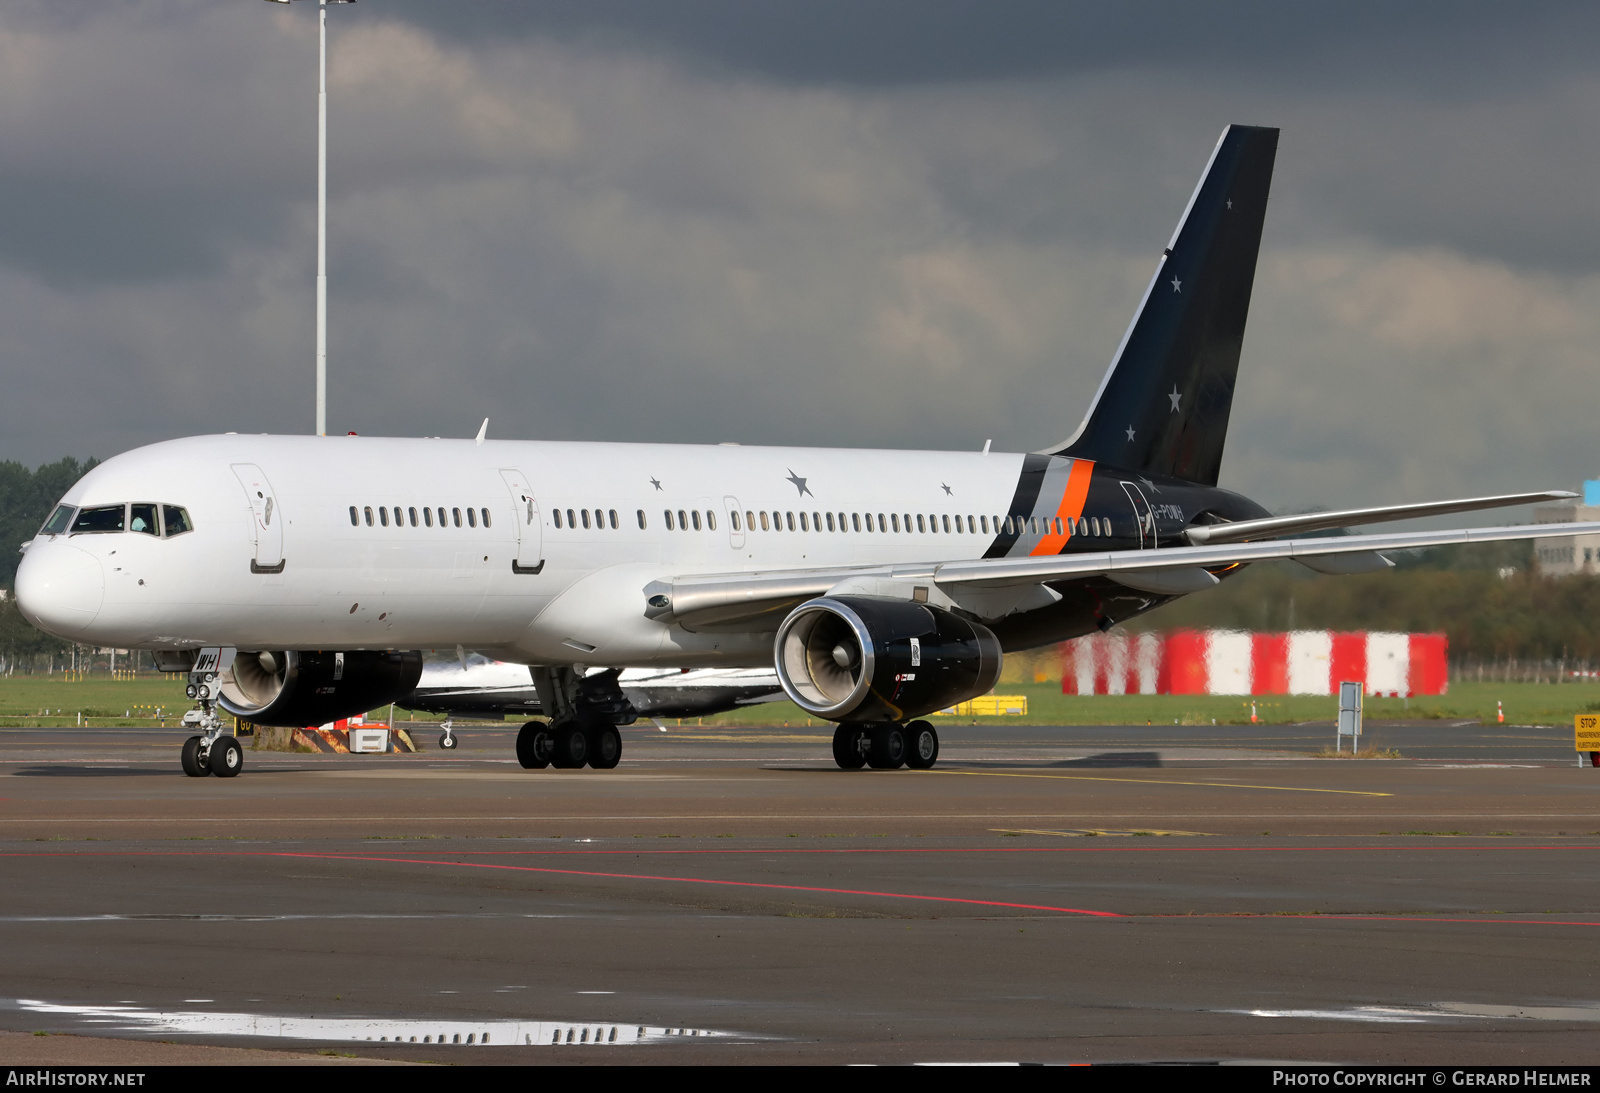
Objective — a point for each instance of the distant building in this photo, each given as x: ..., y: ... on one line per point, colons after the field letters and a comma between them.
x: 1578, y: 553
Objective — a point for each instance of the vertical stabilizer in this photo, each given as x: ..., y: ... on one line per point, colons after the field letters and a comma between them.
x: 1163, y: 405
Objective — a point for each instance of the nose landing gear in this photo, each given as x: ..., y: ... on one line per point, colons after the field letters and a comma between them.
x: 447, y: 739
x: 211, y: 752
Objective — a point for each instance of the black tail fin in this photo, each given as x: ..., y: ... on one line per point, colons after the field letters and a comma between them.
x: 1163, y: 405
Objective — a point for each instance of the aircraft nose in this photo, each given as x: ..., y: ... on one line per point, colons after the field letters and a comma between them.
x: 60, y: 588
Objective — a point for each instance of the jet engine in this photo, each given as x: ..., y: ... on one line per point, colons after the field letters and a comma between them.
x: 312, y: 688
x: 867, y: 658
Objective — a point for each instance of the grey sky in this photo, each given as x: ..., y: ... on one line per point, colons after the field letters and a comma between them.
x: 905, y: 224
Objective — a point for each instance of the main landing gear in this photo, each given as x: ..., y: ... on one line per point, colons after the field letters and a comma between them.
x: 211, y: 752
x: 885, y: 745
x: 583, y: 731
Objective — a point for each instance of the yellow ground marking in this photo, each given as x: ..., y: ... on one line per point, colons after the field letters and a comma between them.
x: 1153, y: 782
x: 1086, y: 831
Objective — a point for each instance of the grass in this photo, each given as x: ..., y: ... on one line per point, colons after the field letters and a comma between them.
x: 107, y: 703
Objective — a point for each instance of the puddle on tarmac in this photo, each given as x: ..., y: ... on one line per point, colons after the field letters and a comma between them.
x: 137, y: 1019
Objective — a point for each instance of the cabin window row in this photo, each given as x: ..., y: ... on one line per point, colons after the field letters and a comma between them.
x: 595, y: 518
x: 932, y: 523
x: 423, y: 517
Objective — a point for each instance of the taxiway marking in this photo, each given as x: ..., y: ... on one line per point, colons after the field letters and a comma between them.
x: 1152, y: 782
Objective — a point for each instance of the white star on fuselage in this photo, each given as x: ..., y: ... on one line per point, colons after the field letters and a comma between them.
x: 1130, y: 432
x: 1177, y: 285
x: 1174, y: 396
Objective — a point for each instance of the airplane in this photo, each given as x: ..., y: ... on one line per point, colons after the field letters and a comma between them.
x: 296, y: 579
x: 478, y: 687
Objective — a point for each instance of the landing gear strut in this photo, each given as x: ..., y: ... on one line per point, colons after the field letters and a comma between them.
x: 211, y: 752
x: 885, y: 746
x: 585, y: 711
x: 447, y: 739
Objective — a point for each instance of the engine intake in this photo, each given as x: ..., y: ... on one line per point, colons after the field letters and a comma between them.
x: 312, y: 688
x: 867, y: 658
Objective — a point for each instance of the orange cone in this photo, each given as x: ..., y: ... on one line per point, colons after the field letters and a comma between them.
x: 1500, y: 712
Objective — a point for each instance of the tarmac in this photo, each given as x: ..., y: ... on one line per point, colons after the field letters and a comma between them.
x: 1045, y: 894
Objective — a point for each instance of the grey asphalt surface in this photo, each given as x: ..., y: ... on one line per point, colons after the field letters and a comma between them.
x: 1046, y: 894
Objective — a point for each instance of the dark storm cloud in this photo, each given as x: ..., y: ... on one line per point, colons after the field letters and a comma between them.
x: 906, y: 224
x: 936, y: 41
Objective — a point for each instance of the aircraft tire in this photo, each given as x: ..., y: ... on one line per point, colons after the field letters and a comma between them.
x: 227, y: 757
x: 447, y: 741
x: 887, y: 747
x: 922, y: 745
x: 534, y: 745
x: 572, y: 748
x: 605, y: 747
x: 847, y: 747
x: 192, y: 766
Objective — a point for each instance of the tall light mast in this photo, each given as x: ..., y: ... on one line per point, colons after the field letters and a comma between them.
x: 322, y: 209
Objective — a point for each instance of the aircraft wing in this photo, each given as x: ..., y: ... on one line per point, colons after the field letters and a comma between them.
x: 1240, y: 530
x: 759, y: 601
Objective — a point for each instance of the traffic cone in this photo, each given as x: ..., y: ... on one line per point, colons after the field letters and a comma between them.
x: 1252, y: 713
x: 1500, y: 712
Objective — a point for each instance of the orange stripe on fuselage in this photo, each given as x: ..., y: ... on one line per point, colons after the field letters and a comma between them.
x: 1071, y: 507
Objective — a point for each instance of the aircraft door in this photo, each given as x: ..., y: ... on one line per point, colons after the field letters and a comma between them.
x: 1143, y: 518
x: 266, y: 518
x: 730, y: 507
x: 528, y: 525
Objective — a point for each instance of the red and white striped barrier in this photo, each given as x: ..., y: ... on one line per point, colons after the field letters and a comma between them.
x: 1234, y: 662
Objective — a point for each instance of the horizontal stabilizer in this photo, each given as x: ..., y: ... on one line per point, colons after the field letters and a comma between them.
x: 1300, y: 523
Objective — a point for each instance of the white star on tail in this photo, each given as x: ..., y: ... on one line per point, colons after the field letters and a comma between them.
x: 1177, y: 285
x: 1130, y: 432
x: 1175, y: 397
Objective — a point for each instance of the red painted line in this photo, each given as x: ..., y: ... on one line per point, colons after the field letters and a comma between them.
x: 702, y: 880
x: 1309, y: 917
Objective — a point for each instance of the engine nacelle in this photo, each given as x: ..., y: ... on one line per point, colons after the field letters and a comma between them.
x: 300, y: 689
x: 866, y: 658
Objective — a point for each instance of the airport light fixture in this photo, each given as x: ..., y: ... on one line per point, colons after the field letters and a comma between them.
x: 322, y: 209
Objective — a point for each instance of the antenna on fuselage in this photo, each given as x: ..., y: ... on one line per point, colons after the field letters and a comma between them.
x: 483, y: 431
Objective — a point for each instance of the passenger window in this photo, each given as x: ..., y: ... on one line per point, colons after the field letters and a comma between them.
x: 144, y: 520
x: 764, y: 522
x: 60, y: 520
x: 599, y: 519
x: 613, y: 519
x: 983, y: 522
x: 427, y: 517
x: 896, y: 518
x: 442, y: 521
x: 882, y: 527
x: 641, y: 520
x: 177, y: 520
x: 750, y: 519
x: 666, y: 514
x: 100, y: 518
x: 456, y: 513
x: 695, y: 516
x: 734, y: 516
x: 791, y: 521
x: 412, y: 512
x: 855, y: 520
x: 368, y: 511
x: 383, y: 516
x: 572, y: 519
x: 585, y: 517
x: 804, y: 524
x: 683, y: 520
x: 711, y: 520
x: 920, y: 525
x: 869, y: 521
x: 472, y: 518
x: 483, y: 512
x: 558, y: 516
x: 355, y: 521
x: 830, y: 522
x: 946, y: 522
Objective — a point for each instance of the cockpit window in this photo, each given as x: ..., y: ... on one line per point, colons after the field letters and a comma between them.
x: 59, y: 521
x: 144, y: 519
x: 177, y: 520
x: 101, y: 518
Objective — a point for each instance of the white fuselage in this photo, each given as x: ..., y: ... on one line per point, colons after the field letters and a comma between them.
x: 264, y: 503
